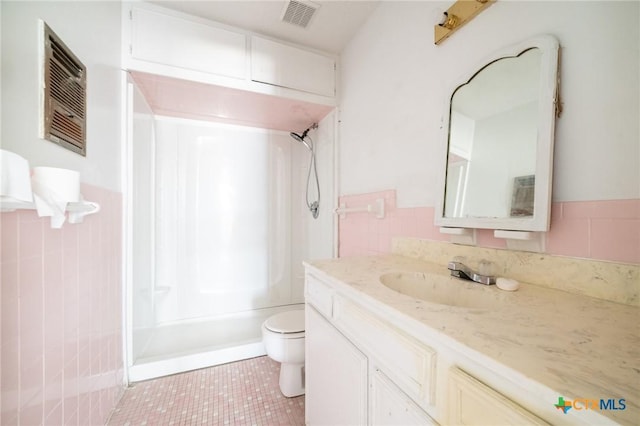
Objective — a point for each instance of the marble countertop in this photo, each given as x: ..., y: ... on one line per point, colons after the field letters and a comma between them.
x: 576, y: 346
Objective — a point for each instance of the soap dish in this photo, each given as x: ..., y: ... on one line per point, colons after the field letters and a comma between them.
x: 507, y: 284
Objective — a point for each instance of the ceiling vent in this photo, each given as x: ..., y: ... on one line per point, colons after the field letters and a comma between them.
x: 64, y: 94
x: 299, y: 12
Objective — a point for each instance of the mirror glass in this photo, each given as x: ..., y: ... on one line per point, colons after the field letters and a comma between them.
x: 492, y: 140
x: 500, y: 143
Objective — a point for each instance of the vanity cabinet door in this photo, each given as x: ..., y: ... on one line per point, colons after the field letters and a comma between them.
x: 391, y: 406
x: 410, y: 363
x: 336, y: 375
x: 319, y: 295
x: 471, y: 402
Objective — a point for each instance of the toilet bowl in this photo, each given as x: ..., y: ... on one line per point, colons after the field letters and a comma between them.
x: 283, y: 338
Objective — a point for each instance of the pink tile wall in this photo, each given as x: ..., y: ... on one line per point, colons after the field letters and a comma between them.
x: 605, y: 230
x: 61, y: 304
x: 364, y: 234
x: 599, y: 230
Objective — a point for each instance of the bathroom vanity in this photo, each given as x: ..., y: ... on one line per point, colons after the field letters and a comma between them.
x: 377, y: 356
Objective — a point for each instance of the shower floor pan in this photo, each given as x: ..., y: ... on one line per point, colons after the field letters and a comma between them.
x: 181, y: 347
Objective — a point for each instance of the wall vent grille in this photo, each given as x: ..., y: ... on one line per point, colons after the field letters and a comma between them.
x: 299, y: 12
x: 64, y: 94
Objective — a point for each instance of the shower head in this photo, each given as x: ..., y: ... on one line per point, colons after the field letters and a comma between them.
x: 300, y: 138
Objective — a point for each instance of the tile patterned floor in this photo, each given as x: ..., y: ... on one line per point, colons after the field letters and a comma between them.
x: 239, y: 393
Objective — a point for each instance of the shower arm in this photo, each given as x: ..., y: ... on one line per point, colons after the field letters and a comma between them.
x: 312, y: 127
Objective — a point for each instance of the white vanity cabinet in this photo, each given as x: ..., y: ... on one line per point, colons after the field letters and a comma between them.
x: 360, y: 370
x: 408, y: 362
x: 336, y: 375
x: 473, y: 402
x: 391, y: 406
x: 363, y: 367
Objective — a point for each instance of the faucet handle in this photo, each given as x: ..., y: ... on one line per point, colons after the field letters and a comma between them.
x: 486, y: 268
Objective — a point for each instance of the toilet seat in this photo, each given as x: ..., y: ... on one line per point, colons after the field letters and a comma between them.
x: 291, y: 322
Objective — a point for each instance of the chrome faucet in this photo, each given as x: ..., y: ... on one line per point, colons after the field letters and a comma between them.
x: 460, y: 270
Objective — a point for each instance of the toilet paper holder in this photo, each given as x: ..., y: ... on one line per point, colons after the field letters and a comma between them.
x: 76, y: 212
x: 53, y: 192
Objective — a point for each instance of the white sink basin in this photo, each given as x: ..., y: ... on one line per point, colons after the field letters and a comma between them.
x: 443, y: 290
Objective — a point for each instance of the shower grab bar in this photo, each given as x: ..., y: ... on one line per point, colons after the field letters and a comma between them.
x: 376, y: 208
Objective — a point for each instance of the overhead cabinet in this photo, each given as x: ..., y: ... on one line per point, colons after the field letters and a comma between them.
x: 164, y: 42
x: 287, y: 66
x: 168, y: 40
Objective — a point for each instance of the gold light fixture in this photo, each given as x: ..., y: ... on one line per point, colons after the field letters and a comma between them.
x: 449, y: 21
x: 461, y: 12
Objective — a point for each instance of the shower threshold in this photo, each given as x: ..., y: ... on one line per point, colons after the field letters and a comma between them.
x: 181, y: 347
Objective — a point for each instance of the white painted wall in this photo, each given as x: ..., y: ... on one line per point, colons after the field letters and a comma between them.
x: 92, y: 31
x: 393, y: 83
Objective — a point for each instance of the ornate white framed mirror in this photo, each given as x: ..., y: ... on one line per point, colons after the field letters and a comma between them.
x: 498, y: 136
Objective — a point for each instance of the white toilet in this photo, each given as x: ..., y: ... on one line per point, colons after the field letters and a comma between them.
x: 283, y: 338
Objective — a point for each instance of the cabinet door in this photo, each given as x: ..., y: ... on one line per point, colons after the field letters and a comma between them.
x: 181, y: 43
x: 391, y: 406
x: 409, y: 362
x: 336, y: 375
x: 287, y: 66
x: 471, y: 402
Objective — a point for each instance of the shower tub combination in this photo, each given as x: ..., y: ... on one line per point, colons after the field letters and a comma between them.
x: 219, y: 227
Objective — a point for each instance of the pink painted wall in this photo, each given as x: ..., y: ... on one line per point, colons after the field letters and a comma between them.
x: 599, y: 230
x: 61, y: 352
